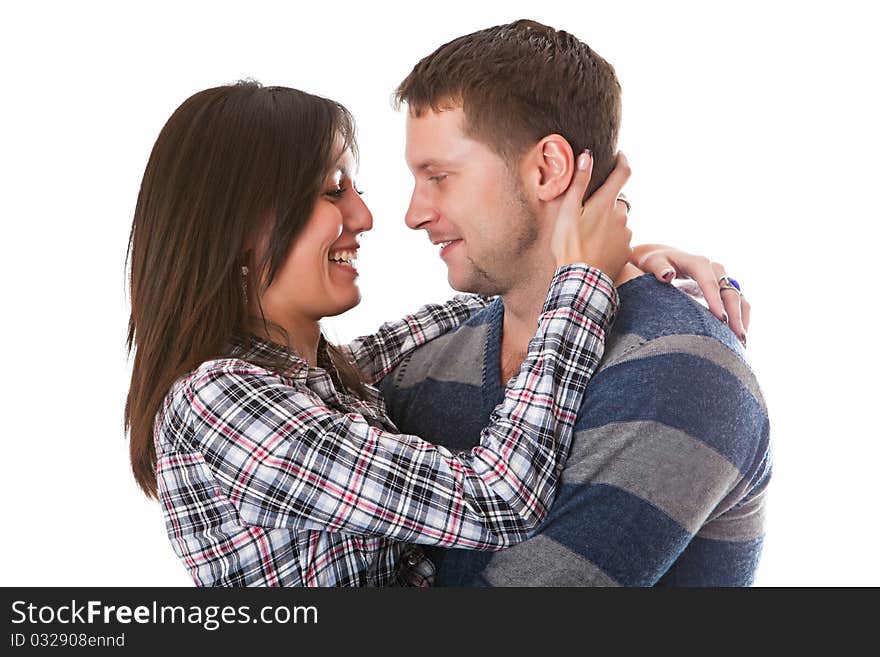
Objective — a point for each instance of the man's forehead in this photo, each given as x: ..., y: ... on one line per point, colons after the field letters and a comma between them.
x: 436, y: 139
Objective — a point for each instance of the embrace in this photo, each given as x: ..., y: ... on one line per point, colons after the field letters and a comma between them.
x: 572, y: 419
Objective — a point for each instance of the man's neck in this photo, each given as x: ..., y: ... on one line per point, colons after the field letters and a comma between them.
x: 522, y: 308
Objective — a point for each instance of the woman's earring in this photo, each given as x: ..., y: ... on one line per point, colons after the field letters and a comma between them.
x: 244, y: 280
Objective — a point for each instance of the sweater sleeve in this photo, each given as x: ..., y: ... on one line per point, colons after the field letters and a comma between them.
x: 665, y: 482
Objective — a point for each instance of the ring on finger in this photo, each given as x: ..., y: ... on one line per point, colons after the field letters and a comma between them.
x: 623, y: 199
x: 728, y: 283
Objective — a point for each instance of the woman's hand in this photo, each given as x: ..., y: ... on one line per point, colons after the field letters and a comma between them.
x: 668, y: 264
x: 594, y: 232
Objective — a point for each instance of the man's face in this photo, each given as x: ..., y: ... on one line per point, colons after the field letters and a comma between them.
x: 469, y: 202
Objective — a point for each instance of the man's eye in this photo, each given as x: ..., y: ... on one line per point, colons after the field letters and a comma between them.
x: 439, y: 177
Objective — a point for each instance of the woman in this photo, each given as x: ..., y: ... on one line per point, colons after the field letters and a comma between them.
x: 270, y: 452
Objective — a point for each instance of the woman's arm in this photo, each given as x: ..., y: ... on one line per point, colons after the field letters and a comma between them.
x: 377, y: 354
x: 284, y: 459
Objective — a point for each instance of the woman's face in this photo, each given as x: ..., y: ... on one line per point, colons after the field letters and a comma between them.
x: 318, y: 278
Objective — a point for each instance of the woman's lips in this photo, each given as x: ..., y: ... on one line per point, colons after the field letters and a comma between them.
x: 343, y: 267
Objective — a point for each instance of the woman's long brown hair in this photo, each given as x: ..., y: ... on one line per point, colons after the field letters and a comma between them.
x: 231, y: 164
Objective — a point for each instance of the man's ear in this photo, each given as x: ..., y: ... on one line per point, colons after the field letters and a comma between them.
x: 549, y: 166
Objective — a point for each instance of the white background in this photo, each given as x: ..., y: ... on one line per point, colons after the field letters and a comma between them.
x: 751, y: 128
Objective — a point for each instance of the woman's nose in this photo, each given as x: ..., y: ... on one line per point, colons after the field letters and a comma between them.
x: 360, y: 219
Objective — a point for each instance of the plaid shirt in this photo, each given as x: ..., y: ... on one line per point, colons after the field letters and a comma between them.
x: 283, y: 479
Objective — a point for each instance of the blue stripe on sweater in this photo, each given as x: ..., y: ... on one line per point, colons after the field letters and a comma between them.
x: 441, y: 412
x: 720, y: 411
x: 628, y: 538
x: 652, y: 309
x: 708, y: 562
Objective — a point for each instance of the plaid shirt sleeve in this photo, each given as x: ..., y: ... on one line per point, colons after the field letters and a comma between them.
x: 379, y: 353
x: 287, y: 460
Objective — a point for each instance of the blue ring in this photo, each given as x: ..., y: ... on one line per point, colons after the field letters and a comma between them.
x: 735, y: 283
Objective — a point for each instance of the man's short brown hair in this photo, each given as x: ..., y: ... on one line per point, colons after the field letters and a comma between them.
x: 518, y: 83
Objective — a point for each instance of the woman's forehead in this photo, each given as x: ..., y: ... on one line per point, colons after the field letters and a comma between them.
x: 345, y: 164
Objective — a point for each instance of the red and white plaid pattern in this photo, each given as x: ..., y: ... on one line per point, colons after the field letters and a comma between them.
x: 280, y: 479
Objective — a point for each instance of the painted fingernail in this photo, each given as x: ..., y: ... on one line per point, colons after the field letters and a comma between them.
x: 742, y: 339
x: 667, y: 274
x: 725, y: 318
x: 584, y: 159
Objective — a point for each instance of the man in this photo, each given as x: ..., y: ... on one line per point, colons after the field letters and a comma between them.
x: 666, y: 479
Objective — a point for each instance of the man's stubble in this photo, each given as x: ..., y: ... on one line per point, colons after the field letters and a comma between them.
x: 506, y: 263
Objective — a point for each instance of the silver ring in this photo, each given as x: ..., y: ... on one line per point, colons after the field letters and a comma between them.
x: 625, y: 201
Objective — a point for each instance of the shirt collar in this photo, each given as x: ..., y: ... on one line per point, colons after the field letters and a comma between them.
x: 253, y: 348
x: 323, y: 379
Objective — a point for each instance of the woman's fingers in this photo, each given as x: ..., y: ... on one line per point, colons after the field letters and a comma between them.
x: 746, y: 310
x: 564, y: 242
x: 704, y: 274
x: 609, y: 191
x: 594, y: 232
x: 697, y: 268
x: 725, y: 302
x: 659, y: 264
x: 573, y: 200
x: 732, y: 301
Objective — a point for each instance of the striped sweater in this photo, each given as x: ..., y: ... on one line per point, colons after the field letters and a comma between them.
x: 666, y: 480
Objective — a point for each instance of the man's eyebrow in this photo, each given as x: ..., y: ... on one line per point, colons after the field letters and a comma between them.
x: 431, y: 164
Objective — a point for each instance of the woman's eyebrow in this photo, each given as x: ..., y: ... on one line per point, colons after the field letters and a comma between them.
x: 341, y: 170
x: 345, y: 170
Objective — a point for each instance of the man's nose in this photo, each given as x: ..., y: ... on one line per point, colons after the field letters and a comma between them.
x: 420, y: 213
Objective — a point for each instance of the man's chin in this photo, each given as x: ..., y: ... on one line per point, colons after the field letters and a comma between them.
x: 469, y: 282
x: 458, y: 282
x: 460, y: 278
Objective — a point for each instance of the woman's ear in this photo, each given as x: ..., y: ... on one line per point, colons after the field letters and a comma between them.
x: 550, y: 166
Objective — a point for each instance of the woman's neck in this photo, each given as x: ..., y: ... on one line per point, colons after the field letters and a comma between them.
x: 304, y: 335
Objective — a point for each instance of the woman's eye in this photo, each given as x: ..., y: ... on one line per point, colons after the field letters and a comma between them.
x: 339, y: 185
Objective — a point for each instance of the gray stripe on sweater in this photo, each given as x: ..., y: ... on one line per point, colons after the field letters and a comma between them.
x: 617, y: 346
x: 745, y: 522
x: 695, y: 345
x: 541, y: 561
x: 456, y: 366
x: 666, y: 467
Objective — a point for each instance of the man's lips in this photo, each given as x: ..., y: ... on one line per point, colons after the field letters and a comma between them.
x: 437, y: 239
x: 447, y: 245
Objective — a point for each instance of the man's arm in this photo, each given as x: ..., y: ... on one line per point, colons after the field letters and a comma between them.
x: 671, y: 444
x: 726, y: 551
